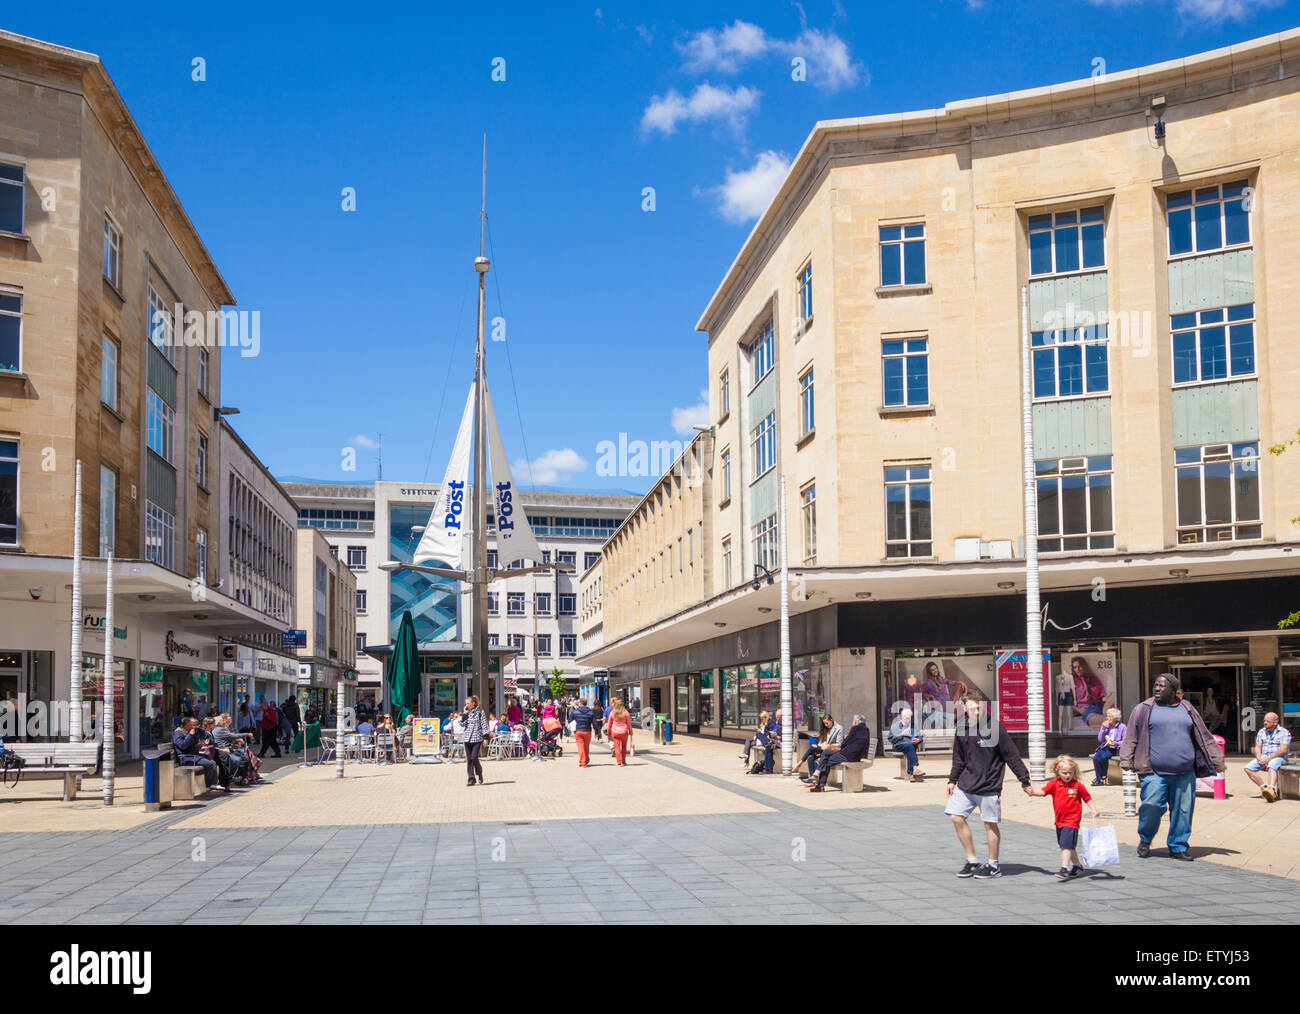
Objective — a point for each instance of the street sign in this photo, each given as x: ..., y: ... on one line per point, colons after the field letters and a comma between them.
x: 292, y: 640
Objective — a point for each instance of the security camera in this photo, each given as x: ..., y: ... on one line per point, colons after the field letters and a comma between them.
x: 756, y: 584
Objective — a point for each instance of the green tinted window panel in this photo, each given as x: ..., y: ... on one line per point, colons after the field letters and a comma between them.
x: 762, y: 400
x: 762, y: 499
x: 160, y: 482
x: 1083, y: 294
x: 1212, y: 280
x: 1074, y: 428
x: 161, y: 374
x: 1216, y: 413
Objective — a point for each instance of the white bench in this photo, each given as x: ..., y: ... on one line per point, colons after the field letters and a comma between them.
x: 71, y: 760
x: 1288, y: 781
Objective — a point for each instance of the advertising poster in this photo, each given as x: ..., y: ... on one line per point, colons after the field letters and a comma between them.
x: 424, y: 737
x: 940, y: 682
x: 1083, y: 688
x: 1013, y: 690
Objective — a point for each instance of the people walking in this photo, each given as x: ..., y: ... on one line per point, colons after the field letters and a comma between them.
x: 475, y: 730
x: 856, y: 745
x: 1067, y: 792
x: 583, y: 719
x: 1109, y: 738
x: 1169, y: 747
x: 1271, y: 745
x: 620, y: 731
x: 980, y: 754
x: 597, y: 720
x: 270, y: 725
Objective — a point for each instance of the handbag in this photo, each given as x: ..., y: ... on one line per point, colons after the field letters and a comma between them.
x: 1098, y: 846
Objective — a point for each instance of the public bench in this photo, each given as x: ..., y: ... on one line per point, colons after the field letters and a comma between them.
x: 1288, y: 781
x: 932, y: 741
x: 848, y: 774
x: 71, y: 760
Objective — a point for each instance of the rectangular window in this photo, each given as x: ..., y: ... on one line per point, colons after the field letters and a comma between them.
x: 590, y: 560
x: 1074, y: 505
x: 1208, y: 218
x: 804, y: 294
x: 203, y: 371
x: 763, y: 539
x: 1218, y: 492
x: 1071, y: 362
x: 492, y: 604
x: 11, y: 331
x: 108, y: 372
x: 107, y: 511
x: 907, y: 511
x: 544, y: 645
x: 160, y: 422
x: 492, y: 640
x: 361, y: 644
x: 763, y: 351
x: 514, y: 603
x: 8, y: 492
x: 159, y: 535
x: 1213, y: 344
x: 201, y: 553
x: 201, y: 465
x: 356, y: 557
x: 492, y: 559
x: 1067, y: 241
x: 543, y: 603
x: 568, y: 645
x: 807, y: 418
x: 762, y: 445
x: 726, y: 563
x: 160, y: 324
x: 808, y: 512
x: 112, y: 254
x: 519, y: 643
x: 361, y: 600
x: 568, y: 605
x: 13, y: 179
x: 902, y: 254
x: 726, y: 474
x: 905, y: 365
x: 567, y: 558
x: 724, y: 393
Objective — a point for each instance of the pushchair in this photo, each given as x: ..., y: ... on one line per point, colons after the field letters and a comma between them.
x: 547, y: 745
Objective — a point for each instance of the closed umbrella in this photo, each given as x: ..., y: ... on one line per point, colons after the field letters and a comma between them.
x: 403, y: 676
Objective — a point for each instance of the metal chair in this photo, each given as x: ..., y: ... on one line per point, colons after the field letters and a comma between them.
x: 326, y: 750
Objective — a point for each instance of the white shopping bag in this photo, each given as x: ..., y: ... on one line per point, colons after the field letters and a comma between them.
x: 1097, y: 845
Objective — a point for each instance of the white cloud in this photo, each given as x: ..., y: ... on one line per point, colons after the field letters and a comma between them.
x: 686, y: 419
x: 728, y: 105
x: 746, y: 193
x: 1209, y: 11
x: 829, y: 62
x: 553, y: 466
x: 361, y: 440
x: 723, y: 50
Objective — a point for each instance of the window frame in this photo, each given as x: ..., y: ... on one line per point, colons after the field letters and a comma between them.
x: 803, y: 287
x: 571, y: 639
x: 542, y: 646
x: 1226, y: 324
x: 764, y: 340
x: 724, y: 392
x: 363, y: 602
x: 201, y: 460
x: 160, y: 524
x: 154, y: 306
x: 201, y: 553
x: 361, y: 550
x: 908, y: 482
x: 762, y: 446
x: 113, y: 245
x: 111, y: 543
x: 513, y: 600
x: 808, y: 522
x: 1191, y: 192
x: 1055, y: 346
x: 559, y: 604
x: 106, y: 342
x: 14, y: 293
x: 905, y: 356
x: 157, y: 409
x: 1235, y: 524
x: 16, y: 461
x: 807, y: 403
x: 541, y: 608
x: 764, y: 542
x: 21, y: 185
x: 1094, y: 539
x: 1053, y: 227
x: 901, y: 242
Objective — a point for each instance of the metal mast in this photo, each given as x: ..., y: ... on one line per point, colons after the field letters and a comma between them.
x: 478, y: 501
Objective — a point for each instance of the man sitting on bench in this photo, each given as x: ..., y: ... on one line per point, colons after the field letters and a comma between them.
x: 857, y: 744
x: 186, y: 743
x: 905, y: 738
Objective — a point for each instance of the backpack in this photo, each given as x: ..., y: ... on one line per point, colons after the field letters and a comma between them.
x: 757, y: 769
x: 10, y: 761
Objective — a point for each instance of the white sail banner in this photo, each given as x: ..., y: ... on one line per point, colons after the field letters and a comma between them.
x: 448, y: 537
x: 515, y: 539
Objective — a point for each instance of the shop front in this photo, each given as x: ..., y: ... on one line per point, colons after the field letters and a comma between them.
x: 177, y: 679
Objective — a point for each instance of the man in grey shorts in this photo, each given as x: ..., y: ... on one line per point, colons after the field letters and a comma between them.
x: 979, y: 760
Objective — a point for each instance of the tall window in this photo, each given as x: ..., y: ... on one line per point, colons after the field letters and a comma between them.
x: 762, y: 445
x: 907, y: 511
x: 1071, y: 362
x: 1074, y: 505
x: 361, y: 644
x: 905, y: 365
x: 902, y: 254
x: 1208, y: 218
x: 726, y: 474
x: 1218, y: 492
x: 201, y: 553
x: 568, y: 558
x: 361, y: 600
x: 763, y: 351
x: 112, y: 254
x: 8, y: 492
x: 543, y: 606
x: 726, y: 563
x: 519, y: 643
x: 724, y: 393
x: 161, y: 422
x: 159, y: 535
x: 804, y: 295
x: 807, y: 419
x: 492, y: 559
x: 514, y: 603
x: 108, y: 372
x: 492, y: 604
x: 12, y: 183
x: 160, y: 326
x: 356, y: 557
x: 492, y: 640
x: 201, y: 465
x: 203, y: 371
x: 107, y: 510
x: 1067, y: 241
x: 764, y: 542
x: 808, y: 513
x: 544, y: 645
x: 568, y: 645
x: 590, y: 560
x: 568, y: 605
x: 1214, y: 344
x: 11, y: 331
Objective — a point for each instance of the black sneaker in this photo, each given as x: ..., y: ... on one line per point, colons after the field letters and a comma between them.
x: 1144, y: 849
x: 1063, y: 874
x: 969, y: 869
x: 1075, y: 871
x: 988, y: 871
x: 1181, y: 855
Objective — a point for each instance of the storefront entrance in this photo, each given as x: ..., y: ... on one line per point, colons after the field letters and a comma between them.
x: 1216, y: 691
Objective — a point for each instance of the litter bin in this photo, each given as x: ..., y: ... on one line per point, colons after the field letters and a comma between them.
x: 668, y: 731
x: 659, y: 727
x: 158, y: 779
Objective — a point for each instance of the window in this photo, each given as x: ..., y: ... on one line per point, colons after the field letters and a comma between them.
x: 493, y: 610
x: 546, y: 556
x: 726, y: 474
x: 763, y: 351
x: 1214, y: 344
x: 726, y: 563
x: 590, y: 560
x: 11, y: 331
x: 1070, y: 362
x: 690, y: 546
x: 201, y: 553
x: 1067, y: 241
x: 763, y: 539
x: 201, y: 466
x: 724, y: 393
x: 107, y: 511
x: 907, y: 511
x: 492, y: 559
x: 514, y: 603
x: 906, y: 368
x: 804, y: 300
x: 361, y: 644
x: 112, y: 254
x: 361, y: 600
x: 544, y: 645
x: 762, y: 442
x: 8, y: 491
x: 492, y: 640
x: 159, y: 535
x: 543, y: 606
x: 567, y: 558
x: 1208, y: 218
x: 334, y: 552
x: 203, y: 371
x: 568, y: 605
x: 902, y: 254
x: 807, y: 419
x: 108, y: 372
x: 1074, y: 505
x: 808, y: 512
x: 12, y: 183
x: 518, y: 642
x: 516, y: 565
x: 356, y: 557
x: 568, y: 645
x: 1218, y: 492
x: 160, y: 326
x: 681, y: 559
x: 161, y: 422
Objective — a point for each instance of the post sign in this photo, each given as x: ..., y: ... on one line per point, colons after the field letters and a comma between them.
x: 1013, y: 690
x: 424, y: 737
x: 292, y: 640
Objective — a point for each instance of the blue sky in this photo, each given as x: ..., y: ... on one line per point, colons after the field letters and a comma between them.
x: 368, y: 315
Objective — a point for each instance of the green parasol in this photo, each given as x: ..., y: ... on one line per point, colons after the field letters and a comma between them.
x: 403, y: 674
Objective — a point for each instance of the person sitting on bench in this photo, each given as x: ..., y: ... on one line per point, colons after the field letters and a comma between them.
x: 760, y: 732
x: 857, y: 744
x: 187, y: 742
x: 832, y: 735
x: 905, y: 738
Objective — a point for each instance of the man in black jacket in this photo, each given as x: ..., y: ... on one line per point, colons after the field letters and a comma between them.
x: 981, y: 750
x: 856, y: 745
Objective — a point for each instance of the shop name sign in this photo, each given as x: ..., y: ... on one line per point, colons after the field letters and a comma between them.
x: 175, y: 647
x: 95, y: 625
x: 1085, y: 624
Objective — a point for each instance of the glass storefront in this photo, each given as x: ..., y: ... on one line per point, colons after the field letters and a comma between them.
x: 747, y: 690
x: 811, y: 687
x: 167, y: 694
x: 92, y: 692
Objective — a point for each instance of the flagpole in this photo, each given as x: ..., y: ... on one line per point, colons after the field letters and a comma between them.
x: 479, y: 574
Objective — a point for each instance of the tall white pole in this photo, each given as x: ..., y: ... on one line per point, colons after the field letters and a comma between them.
x: 108, y: 723
x: 341, y: 693
x: 1033, y: 612
x: 789, y: 731
x: 74, y: 691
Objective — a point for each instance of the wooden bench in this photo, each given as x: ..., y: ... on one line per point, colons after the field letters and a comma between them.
x: 1288, y: 781
x: 71, y: 760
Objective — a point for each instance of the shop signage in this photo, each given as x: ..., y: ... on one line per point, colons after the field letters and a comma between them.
x: 424, y: 737
x: 292, y: 640
x: 304, y: 674
x: 1263, y: 692
x: 1013, y: 690
x: 94, y: 623
x: 175, y: 648
x: 243, y: 661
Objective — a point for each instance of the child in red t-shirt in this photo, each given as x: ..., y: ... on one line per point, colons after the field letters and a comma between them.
x: 1066, y: 791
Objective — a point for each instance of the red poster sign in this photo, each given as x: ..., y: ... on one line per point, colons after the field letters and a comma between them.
x: 1013, y: 690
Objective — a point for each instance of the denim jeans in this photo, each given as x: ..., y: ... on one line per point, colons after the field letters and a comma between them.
x: 1101, y: 762
x: 1178, y: 794
x: 908, y: 749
